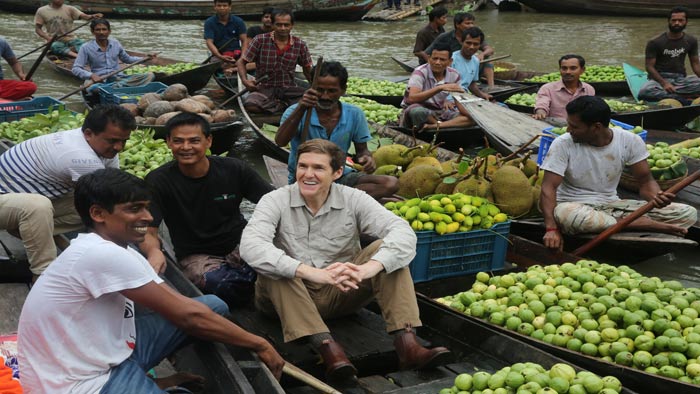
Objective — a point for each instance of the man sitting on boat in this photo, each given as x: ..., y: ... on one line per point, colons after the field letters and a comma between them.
x: 426, y: 103
x: 304, y: 242
x: 266, y: 26
x: 582, y: 170
x: 463, y: 21
x: 665, y: 62
x: 101, y: 57
x: 225, y: 35
x: 275, y: 55
x: 57, y: 18
x: 9, y: 88
x: 553, y: 97
x: 199, y: 198
x: 340, y: 123
x: 425, y: 36
x: 466, y: 62
x: 80, y: 331
x: 37, y: 177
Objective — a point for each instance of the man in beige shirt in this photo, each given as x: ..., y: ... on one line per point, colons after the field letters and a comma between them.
x: 58, y: 19
x: 303, y: 240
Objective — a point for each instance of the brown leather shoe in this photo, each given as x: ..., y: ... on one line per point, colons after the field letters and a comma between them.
x: 414, y: 356
x: 338, y: 367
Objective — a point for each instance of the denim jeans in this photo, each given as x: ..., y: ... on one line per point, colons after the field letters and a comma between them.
x: 156, y: 338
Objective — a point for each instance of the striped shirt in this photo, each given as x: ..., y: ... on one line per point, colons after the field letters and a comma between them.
x: 50, y: 165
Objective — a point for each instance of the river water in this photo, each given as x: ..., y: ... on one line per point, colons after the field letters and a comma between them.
x: 535, y: 41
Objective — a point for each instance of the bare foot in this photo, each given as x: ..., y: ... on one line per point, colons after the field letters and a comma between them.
x: 647, y: 224
x: 185, y: 379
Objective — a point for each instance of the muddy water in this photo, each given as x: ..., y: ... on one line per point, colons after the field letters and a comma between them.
x: 535, y: 42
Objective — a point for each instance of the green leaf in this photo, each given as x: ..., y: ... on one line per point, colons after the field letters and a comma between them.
x: 486, y: 151
x: 449, y: 180
x: 462, y: 167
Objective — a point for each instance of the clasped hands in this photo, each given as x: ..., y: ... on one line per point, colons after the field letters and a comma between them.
x: 348, y: 276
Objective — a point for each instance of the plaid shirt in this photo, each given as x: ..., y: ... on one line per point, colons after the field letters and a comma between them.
x: 279, y: 65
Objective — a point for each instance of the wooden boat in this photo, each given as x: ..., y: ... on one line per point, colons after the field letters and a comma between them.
x: 657, y: 8
x: 194, y: 79
x: 347, y: 10
x: 224, y: 134
x: 228, y: 83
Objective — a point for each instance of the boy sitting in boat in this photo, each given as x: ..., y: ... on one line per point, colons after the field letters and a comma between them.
x: 426, y: 103
x: 79, y: 331
x: 553, y: 97
x: 303, y: 240
x: 199, y: 198
x: 276, y: 55
x: 57, y: 18
x: 225, y: 35
x: 665, y: 62
x: 340, y: 123
x: 466, y: 62
x: 582, y: 170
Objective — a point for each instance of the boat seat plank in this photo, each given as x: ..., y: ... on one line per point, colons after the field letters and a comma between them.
x: 376, y: 384
x: 416, y: 378
x: 11, y: 302
x: 426, y: 388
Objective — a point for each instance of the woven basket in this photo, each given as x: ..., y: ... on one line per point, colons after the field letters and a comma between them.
x: 628, y: 181
x: 509, y: 74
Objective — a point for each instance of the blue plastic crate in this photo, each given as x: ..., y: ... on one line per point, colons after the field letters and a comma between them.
x: 17, y: 110
x: 442, y: 256
x: 546, y: 141
x: 111, y: 95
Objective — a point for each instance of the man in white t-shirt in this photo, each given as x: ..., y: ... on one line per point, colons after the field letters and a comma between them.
x: 582, y: 170
x: 79, y: 332
x: 37, y: 178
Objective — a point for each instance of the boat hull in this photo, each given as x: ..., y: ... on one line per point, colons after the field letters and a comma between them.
x: 200, y: 9
x: 655, y: 8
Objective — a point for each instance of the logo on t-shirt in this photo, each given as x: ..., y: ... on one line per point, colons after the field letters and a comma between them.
x: 674, y: 52
x: 225, y: 197
x: 131, y: 342
x: 128, y: 310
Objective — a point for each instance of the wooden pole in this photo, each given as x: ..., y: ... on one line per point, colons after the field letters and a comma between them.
x: 633, y: 216
x: 314, y: 84
x: 113, y: 73
x: 52, y: 41
x: 37, y: 62
x: 303, y: 376
x: 242, y: 92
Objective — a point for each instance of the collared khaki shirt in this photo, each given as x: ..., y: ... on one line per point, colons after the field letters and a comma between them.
x: 283, y: 233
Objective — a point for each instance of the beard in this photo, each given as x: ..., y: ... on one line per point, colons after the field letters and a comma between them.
x: 676, y: 29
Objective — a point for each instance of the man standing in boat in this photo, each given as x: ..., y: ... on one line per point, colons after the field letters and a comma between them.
x: 553, y: 97
x: 466, y: 62
x: 437, y: 19
x: 582, y: 170
x: 37, y: 178
x: 427, y: 103
x: 225, y: 33
x: 101, y: 57
x: 57, y: 18
x: 199, y: 198
x: 304, y: 241
x: 454, y: 39
x: 80, y: 330
x: 276, y: 55
x: 665, y: 62
x: 11, y: 89
x: 340, y: 123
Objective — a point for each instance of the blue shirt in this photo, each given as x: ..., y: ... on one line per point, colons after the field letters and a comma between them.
x: 100, y: 62
x: 352, y: 127
x: 220, y: 33
x: 468, y: 69
x: 6, y: 53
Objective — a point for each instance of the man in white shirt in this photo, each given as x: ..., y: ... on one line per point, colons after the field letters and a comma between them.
x: 79, y: 332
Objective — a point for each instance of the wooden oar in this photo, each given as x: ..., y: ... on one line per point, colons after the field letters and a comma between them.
x: 633, y: 216
x: 219, y: 49
x: 303, y: 376
x: 37, y: 62
x: 51, y: 42
x: 104, y: 78
x: 241, y: 92
x: 314, y: 84
x: 493, y: 59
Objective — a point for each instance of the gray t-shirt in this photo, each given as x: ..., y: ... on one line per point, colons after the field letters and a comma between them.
x: 670, y: 54
x: 6, y: 53
x: 591, y: 173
